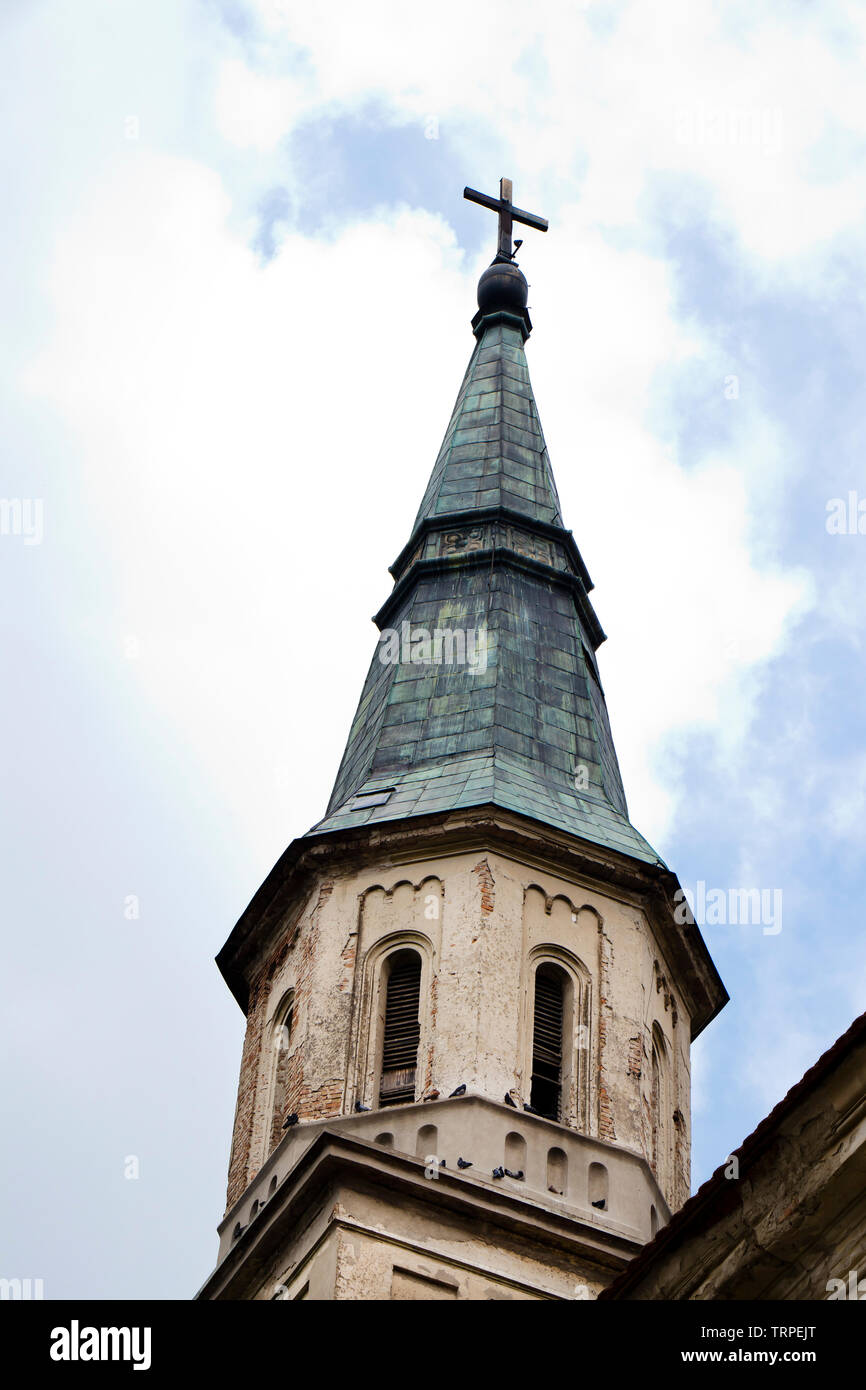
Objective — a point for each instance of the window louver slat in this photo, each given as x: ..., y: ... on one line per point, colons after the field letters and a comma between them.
x: 548, y: 1020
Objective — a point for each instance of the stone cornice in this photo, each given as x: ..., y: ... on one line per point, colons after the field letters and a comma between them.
x: 334, y: 1155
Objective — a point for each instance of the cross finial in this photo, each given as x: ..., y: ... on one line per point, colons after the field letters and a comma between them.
x: 508, y: 214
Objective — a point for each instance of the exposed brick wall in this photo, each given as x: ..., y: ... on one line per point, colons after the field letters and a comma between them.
x: 308, y: 1102
x: 606, y: 1126
x: 317, y: 1103
x: 245, y: 1112
x: 348, y: 962
x: 253, y: 1131
x: 487, y: 886
x: 428, y: 1068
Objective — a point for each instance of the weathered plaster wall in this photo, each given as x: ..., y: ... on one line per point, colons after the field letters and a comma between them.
x: 361, y: 1246
x: 477, y: 919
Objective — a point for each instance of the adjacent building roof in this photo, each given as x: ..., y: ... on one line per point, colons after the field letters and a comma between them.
x: 712, y: 1201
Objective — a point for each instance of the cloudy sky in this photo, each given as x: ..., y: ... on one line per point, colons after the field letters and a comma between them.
x: 237, y: 275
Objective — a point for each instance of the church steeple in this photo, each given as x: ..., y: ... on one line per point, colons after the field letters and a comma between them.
x: 508, y: 707
x: 470, y: 990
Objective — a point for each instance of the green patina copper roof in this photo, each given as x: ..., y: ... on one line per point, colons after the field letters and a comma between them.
x: 494, y: 453
x: 517, y: 717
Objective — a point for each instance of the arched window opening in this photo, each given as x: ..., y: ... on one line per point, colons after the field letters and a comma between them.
x: 401, y: 1029
x: 281, y: 1039
x: 515, y: 1153
x: 547, y: 1042
x: 427, y: 1141
x: 598, y: 1186
x: 557, y: 1171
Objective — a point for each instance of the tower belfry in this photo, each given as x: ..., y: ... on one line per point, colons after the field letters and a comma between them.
x: 470, y: 995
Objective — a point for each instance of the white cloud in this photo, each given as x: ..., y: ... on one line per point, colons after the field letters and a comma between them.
x: 268, y: 432
x: 255, y: 442
x: 213, y: 399
x: 685, y: 648
x: 254, y: 110
x: 741, y: 102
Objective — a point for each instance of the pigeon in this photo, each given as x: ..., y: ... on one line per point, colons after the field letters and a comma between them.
x: 601, y: 1204
x: 518, y: 1175
x: 499, y: 1172
x: 530, y: 1109
x: 431, y: 1095
x: 289, y: 1121
x: 361, y: 1108
x: 461, y: 1091
x: 509, y: 1101
x: 442, y: 1163
x: 463, y: 1163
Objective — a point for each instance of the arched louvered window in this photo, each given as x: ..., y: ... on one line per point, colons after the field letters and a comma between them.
x: 547, y: 1037
x: 401, y: 1029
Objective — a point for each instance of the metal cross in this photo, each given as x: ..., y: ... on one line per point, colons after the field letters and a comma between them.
x: 508, y: 214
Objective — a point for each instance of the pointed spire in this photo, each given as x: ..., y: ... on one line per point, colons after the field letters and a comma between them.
x: 484, y: 687
x: 493, y: 453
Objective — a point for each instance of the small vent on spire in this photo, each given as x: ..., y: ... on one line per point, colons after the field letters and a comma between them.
x: 365, y: 799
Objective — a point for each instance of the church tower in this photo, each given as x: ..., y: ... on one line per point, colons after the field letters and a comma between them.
x: 469, y: 991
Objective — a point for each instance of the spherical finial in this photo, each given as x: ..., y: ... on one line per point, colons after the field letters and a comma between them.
x: 502, y: 286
